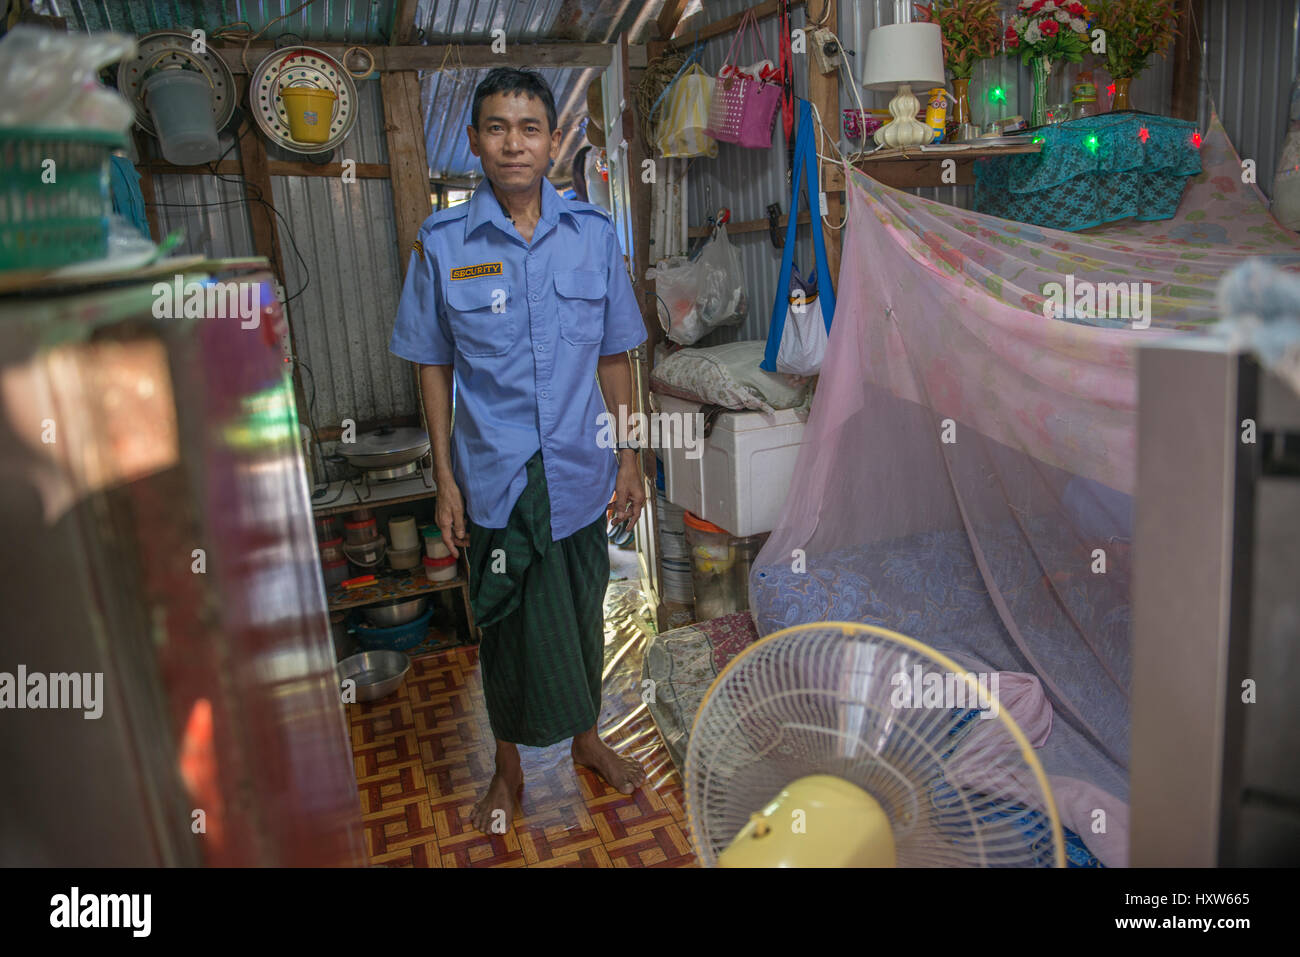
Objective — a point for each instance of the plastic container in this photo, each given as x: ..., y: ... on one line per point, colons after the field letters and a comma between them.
x: 180, y: 102
x: 360, y: 533
x: 332, y: 551
x: 328, y: 527
x: 334, y: 573
x: 402, y: 534
x: 366, y: 556
x: 360, y: 515
x: 440, y: 569
x: 396, y: 638
x: 743, y: 471
x: 44, y: 225
x: 674, y: 553
x: 744, y: 551
x: 434, y: 546
x: 310, y: 112
x: 713, y: 559
x: 400, y: 559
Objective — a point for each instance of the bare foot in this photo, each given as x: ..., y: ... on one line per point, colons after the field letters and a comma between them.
x: 495, y: 811
x: 622, y: 774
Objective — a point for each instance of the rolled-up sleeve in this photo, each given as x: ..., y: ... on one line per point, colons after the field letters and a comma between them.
x: 420, y: 333
x: 624, y: 327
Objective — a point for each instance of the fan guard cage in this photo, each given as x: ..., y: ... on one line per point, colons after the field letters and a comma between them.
x: 960, y: 789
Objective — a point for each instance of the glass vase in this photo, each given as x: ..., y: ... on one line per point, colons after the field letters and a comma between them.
x: 1120, y: 100
x: 1042, y: 69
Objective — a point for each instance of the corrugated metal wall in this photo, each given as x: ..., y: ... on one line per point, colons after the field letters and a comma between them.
x: 345, y: 287
x: 746, y: 181
x: 1252, y: 57
x: 1251, y: 54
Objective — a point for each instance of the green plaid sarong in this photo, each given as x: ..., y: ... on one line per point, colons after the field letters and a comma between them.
x: 540, y: 605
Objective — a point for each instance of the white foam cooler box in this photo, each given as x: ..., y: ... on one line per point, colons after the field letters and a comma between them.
x: 744, y: 474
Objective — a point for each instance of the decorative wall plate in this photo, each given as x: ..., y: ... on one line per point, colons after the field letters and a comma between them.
x: 301, y: 66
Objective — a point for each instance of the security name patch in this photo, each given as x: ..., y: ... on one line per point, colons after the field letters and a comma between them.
x: 418, y: 248
x: 472, y: 272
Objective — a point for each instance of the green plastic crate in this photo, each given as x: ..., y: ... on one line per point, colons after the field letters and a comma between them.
x: 46, y: 225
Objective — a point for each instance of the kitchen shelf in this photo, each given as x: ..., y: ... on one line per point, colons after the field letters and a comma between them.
x: 390, y: 585
x: 349, y: 491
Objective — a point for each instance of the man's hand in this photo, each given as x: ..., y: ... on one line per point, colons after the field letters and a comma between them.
x: 629, y: 491
x: 451, y: 516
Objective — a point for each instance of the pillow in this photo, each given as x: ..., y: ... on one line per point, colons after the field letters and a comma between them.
x: 727, y: 375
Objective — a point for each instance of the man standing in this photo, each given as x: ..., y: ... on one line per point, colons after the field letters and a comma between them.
x: 522, y: 299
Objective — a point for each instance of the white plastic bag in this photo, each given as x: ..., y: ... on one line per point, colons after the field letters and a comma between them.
x: 803, y: 341
x: 51, y: 80
x: 701, y: 295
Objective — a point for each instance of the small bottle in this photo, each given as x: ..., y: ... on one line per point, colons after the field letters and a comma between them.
x: 1084, y: 96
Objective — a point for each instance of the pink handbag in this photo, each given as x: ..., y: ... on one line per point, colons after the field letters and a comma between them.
x: 743, y: 108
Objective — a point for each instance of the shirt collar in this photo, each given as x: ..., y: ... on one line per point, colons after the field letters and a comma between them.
x: 484, y: 208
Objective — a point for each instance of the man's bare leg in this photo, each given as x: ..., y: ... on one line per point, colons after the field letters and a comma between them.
x: 495, y: 812
x: 622, y: 774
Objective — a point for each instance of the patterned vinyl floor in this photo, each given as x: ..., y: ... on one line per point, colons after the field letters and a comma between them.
x: 425, y: 755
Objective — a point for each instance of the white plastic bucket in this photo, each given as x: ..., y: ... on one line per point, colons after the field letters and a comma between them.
x: 180, y: 102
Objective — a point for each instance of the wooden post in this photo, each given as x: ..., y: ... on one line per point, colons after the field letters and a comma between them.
x: 1185, y: 85
x: 407, y: 162
x: 824, y: 92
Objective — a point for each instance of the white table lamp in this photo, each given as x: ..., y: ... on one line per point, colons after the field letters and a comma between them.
x: 899, y: 57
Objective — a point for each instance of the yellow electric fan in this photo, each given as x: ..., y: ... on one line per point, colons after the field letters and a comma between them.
x: 845, y: 745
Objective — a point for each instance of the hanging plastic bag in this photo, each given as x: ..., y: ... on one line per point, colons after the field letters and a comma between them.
x: 803, y: 346
x: 803, y: 355
x: 701, y: 294
x: 686, y: 114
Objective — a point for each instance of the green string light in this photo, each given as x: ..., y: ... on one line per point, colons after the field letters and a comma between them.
x: 1091, y: 142
x: 997, y: 95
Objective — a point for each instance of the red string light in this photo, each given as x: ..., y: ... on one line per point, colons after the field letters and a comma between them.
x: 1110, y: 91
x: 1196, y: 139
x: 1143, y: 134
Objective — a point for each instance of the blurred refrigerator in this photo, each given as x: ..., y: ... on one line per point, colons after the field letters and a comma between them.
x: 159, y: 542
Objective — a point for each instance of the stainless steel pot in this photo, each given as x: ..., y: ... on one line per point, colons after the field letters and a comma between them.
x: 398, y: 612
x: 377, y: 673
x: 386, y: 448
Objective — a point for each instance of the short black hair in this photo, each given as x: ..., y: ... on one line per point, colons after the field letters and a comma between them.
x: 509, y: 79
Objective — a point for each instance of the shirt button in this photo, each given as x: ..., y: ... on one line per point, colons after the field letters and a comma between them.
x: 541, y: 348
x: 533, y: 297
x: 545, y: 395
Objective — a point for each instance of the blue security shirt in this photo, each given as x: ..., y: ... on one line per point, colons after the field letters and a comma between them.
x: 523, y: 324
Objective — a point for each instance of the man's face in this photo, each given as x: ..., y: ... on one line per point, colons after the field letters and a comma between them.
x: 513, y: 140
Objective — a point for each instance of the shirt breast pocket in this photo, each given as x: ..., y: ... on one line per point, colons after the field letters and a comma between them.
x: 482, y: 316
x: 581, y: 302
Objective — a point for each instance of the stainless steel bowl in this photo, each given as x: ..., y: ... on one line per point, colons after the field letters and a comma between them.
x: 377, y: 673
x: 398, y: 612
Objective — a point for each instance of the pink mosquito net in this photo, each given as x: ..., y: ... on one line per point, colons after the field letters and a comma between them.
x: 968, y: 466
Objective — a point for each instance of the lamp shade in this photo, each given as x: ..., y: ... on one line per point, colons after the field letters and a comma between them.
x: 910, y: 53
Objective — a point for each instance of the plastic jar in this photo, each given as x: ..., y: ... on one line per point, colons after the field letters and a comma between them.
x: 400, y: 559
x: 745, y: 551
x: 440, y: 569
x: 712, y: 560
x: 434, y: 546
x: 401, y: 533
x: 359, y: 533
x: 332, y: 551
x: 327, y: 527
x: 334, y: 573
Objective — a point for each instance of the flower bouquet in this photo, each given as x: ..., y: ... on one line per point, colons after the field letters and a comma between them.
x: 970, y: 34
x: 1135, y: 31
x: 1044, y: 31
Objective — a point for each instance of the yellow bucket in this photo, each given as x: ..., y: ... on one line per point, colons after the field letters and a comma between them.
x: 310, y: 112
